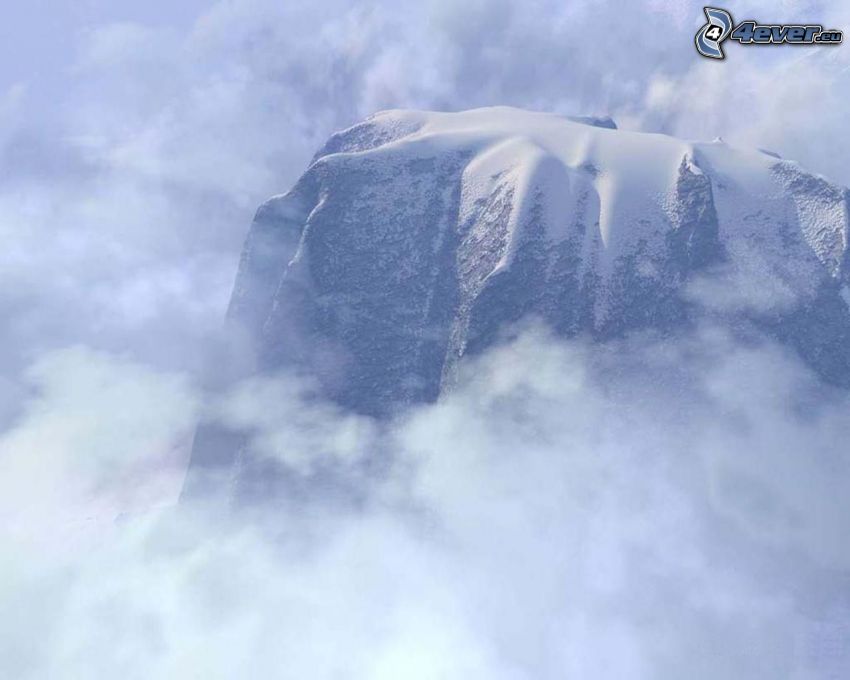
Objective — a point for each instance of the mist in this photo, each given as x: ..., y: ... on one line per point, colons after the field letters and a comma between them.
x: 643, y: 509
x: 646, y: 508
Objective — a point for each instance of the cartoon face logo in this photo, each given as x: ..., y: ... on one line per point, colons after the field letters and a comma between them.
x: 709, y: 37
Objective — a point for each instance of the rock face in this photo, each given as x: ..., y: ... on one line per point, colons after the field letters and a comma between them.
x: 416, y: 238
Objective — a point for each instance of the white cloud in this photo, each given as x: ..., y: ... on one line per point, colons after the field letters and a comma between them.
x: 289, y: 424
x: 99, y: 435
x: 564, y: 512
x: 539, y: 521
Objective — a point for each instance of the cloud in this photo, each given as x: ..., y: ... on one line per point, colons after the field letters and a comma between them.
x: 97, y: 433
x: 647, y: 509
x: 560, y: 513
x: 289, y: 424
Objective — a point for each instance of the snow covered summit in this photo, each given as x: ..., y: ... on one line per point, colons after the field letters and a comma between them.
x: 416, y: 238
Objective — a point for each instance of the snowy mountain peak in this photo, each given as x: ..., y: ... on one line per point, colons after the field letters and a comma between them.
x: 631, y: 183
x: 416, y: 238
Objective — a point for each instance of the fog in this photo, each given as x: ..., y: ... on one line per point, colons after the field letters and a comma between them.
x: 643, y: 509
